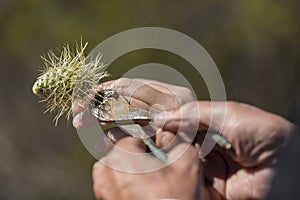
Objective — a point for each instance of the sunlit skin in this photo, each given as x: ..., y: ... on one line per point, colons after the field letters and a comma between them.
x: 255, y: 134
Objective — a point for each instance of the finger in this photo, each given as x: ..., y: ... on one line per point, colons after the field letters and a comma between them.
x: 189, y: 166
x: 184, y: 93
x: 186, y: 153
x: 193, y: 116
x: 99, y: 175
x: 80, y: 105
x: 163, y: 87
x: 138, y: 90
x: 165, y: 139
x: 103, y: 144
x: 115, y: 134
x: 138, y: 103
x: 109, y: 138
x: 131, y: 144
x: 156, y: 98
x: 104, y: 183
x: 84, y: 119
x: 129, y: 155
x: 175, y: 121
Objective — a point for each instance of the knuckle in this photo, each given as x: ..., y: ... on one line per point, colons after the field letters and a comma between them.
x: 126, y: 86
x: 176, y: 103
x: 122, y: 81
x: 173, y: 101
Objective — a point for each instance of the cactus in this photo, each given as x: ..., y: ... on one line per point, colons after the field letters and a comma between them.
x: 67, y: 78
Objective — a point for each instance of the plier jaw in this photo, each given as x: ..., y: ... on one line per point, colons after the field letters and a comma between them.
x: 109, y: 106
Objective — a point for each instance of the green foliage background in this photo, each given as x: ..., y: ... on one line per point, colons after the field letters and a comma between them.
x: 255, y: 44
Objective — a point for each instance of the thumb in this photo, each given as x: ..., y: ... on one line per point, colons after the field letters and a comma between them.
x: 188, y: 165
x: 131, y: 145
x: 186, y: 118
x: 168, y: 120
x: 129, y: 155
x: 197, y: 115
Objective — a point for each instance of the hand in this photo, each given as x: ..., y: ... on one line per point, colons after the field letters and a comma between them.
x: 256, y: 135
x: 149, y: 93
x: 142, y: 93
x: 180, y: 180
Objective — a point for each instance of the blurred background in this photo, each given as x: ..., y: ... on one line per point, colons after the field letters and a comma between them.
x: 254, y: 43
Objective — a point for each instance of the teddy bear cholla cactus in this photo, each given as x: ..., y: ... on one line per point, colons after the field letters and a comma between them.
x: 67, y: 78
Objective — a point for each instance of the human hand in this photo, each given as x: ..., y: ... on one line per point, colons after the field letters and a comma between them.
x: 141, y: 93
x: 256, y: 136
x: 181, y: 179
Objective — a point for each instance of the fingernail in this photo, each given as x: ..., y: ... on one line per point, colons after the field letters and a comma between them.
x: 164, y: 140
x: 75, y: 121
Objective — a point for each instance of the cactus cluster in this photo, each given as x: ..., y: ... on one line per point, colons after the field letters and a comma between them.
x: 66, y: 78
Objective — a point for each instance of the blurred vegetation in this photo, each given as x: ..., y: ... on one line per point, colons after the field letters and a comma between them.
x: 254, y: 43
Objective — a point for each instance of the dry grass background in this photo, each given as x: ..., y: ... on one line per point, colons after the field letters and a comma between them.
x: 254, y: 43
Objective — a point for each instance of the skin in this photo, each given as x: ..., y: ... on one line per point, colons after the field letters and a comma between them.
x: 143, y: 93
x: 114, y: 184
x: 256, y: 135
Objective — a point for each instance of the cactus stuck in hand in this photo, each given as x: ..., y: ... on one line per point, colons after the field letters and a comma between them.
x: 67, y: 78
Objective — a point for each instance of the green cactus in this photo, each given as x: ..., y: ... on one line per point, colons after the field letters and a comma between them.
x: 67, y: 78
